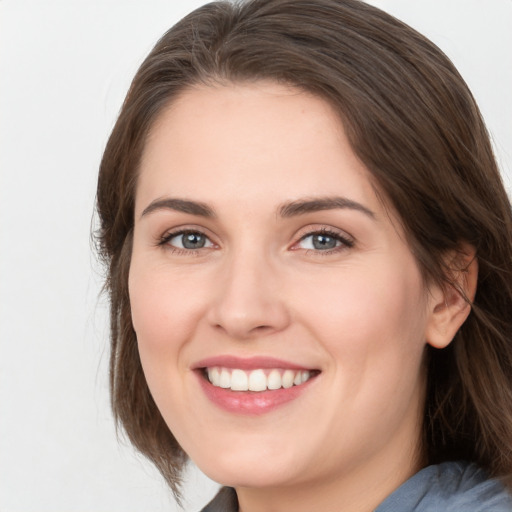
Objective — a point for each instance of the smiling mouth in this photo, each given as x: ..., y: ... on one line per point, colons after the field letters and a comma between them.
x: 257, y: 380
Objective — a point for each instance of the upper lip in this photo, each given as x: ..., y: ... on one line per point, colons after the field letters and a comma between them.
x: 248, y: 363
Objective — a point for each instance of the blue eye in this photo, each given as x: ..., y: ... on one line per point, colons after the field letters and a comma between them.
x: 324, y: 241
x: 188, y: 240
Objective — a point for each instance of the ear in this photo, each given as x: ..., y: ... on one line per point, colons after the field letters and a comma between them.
x: 451, y: 303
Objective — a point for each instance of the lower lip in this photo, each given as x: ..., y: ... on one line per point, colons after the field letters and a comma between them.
x: 251, y: 402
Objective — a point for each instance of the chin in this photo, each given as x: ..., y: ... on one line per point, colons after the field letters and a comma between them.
x: 257, y: 468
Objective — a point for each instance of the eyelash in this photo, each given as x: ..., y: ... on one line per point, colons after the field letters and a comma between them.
x: 345, y: 242
x: 165, y: 239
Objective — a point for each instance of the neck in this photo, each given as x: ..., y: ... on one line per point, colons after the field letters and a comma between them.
x: 358, y: 489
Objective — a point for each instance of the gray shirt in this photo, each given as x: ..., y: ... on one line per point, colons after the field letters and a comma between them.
x: 446, y: 487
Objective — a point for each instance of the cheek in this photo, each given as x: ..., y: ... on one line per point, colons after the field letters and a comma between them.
x: 371, y: 324
x: 165, y: 309
x: 367, y: 314
x: 164, y: 316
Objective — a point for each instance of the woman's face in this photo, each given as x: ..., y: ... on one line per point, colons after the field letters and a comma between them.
x: 263, y: 257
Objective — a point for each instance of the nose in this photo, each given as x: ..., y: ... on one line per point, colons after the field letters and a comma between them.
x: 249, y: 301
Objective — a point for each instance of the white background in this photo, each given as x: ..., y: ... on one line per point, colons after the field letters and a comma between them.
x: 64, y: 69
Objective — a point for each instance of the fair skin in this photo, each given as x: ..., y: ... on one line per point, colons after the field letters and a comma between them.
x: 279, y: 248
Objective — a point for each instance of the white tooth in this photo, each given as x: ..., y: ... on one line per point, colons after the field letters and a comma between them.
x: 288, y: 376
x: 304, y: 376
x: 274, y: 380
x: 214, y: 375
x: 257, y: 381
x: 225, y: 379
x: 239, y: 381
x: 298, y: 379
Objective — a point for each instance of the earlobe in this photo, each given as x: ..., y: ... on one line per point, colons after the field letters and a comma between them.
x: 451, y: 304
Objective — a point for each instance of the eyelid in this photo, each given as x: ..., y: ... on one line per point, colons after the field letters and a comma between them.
x: 168, y: 235
x: 347, y: 240
x: 183, y: 235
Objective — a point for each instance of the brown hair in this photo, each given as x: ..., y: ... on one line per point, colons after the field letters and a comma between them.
x: 413, y: 122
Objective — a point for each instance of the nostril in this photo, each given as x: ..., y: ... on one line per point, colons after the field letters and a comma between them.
x: 262, y: 328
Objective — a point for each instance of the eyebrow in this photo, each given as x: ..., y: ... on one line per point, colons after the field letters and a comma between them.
x: 303, y: 206
x: 291, y: 209
x: 179, y: 205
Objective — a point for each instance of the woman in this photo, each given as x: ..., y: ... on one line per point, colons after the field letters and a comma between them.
x: 309, y: 255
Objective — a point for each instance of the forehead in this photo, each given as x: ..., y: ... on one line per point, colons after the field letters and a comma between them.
x: 260, y: 137
x: 246, y: 112
x: 253, y: 148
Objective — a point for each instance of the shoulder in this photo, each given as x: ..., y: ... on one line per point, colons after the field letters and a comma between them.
x: 447, y: 487
x: 224, y: 501
x: 450, y: 487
